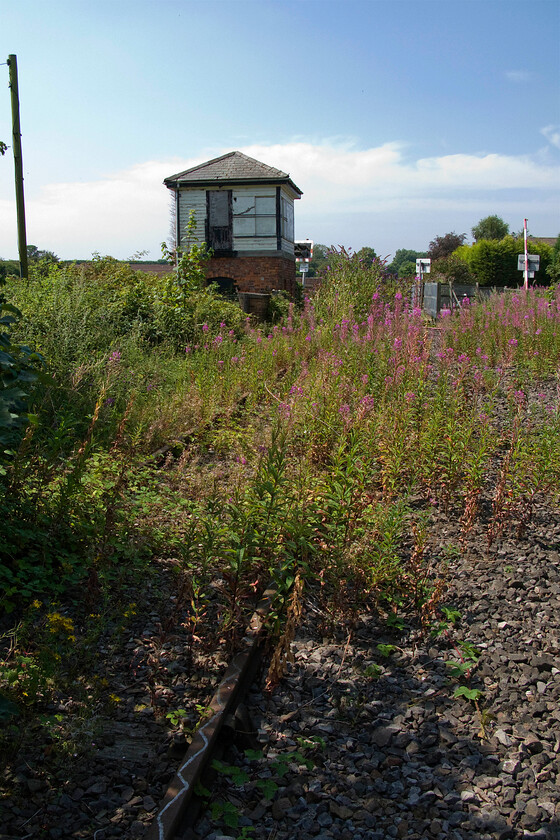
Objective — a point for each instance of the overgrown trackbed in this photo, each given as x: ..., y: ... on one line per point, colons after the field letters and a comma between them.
x: 381, y: 747
x: 414, y: 492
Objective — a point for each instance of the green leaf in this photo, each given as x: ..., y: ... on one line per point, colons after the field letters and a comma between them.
x: 451, y: 615
x: 231, y: 818
x: 457, y: 669
x: 7, y: 709
x: 268, y: 787
x: 202, y: 791
x: 394, y: 620
x: 469, y: 693
x: 386, y: 650
x: 253, y: 755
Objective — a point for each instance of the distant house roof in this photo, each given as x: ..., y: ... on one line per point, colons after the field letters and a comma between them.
x: 548, y: 240
x: 161, y: 269
x: 233, y: 168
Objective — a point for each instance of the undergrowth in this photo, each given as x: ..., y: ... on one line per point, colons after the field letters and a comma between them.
x: 173, y: 428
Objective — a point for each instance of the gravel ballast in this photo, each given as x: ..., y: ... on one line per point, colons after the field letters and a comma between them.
x: 359, y: 742
x: 390, y: 751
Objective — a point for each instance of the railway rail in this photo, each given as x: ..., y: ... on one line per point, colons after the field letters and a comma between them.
x: 172, y: 817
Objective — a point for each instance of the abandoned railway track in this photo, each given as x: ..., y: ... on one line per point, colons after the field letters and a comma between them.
x: 361, y: 739
x: 367, y: 737
x: 170, y: 820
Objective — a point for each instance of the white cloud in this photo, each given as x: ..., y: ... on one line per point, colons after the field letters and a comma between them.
x: 117, y: 215
x: 517, y: 76
x: 552, y: 134
x: 347, y: 192
x: 330, y: 176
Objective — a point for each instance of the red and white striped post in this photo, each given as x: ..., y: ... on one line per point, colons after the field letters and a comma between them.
x: 526, y: 271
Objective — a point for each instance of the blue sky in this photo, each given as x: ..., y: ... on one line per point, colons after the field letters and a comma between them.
x: 400, y: 120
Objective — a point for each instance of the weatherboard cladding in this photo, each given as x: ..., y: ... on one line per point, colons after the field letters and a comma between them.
x: 192, y: 200
x: 195, y: 199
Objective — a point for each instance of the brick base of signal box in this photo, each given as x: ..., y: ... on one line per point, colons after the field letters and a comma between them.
x: 255, y: 274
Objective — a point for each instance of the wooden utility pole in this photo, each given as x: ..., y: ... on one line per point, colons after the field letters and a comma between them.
x: 18, y: 167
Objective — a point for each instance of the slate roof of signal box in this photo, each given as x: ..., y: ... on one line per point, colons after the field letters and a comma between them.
x: 232, y: 168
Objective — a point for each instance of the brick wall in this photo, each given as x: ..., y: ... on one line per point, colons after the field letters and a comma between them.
x: 255, y: 274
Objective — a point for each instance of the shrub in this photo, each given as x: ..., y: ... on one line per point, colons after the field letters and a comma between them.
x: 19, y: 368
x: 278, y: 307
x: 350, y: 283
x: 494, y: 262
x: 553, y: 269
x: 452, y: 269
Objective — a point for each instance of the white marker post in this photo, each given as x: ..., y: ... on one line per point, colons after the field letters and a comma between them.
x: 423, y: 266
x: 303, y: 252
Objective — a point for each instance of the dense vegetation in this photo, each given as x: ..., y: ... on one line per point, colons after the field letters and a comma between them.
x: 493, y: 262
x: 167, y: 426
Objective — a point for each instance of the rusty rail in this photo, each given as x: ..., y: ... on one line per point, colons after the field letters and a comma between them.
x: 172, y: 813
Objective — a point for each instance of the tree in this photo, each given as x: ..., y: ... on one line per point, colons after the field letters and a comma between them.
x: 402, y: 256
x: 34, y: 254
x: 8, y: 267
x: 451, y: 269
x: 443, y: 246
x: 3, y: 148
x: 553, y: 269
x: 491, y: 227
x: 407, y: 269
x: 367, y: 253
x: 319, y: 260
